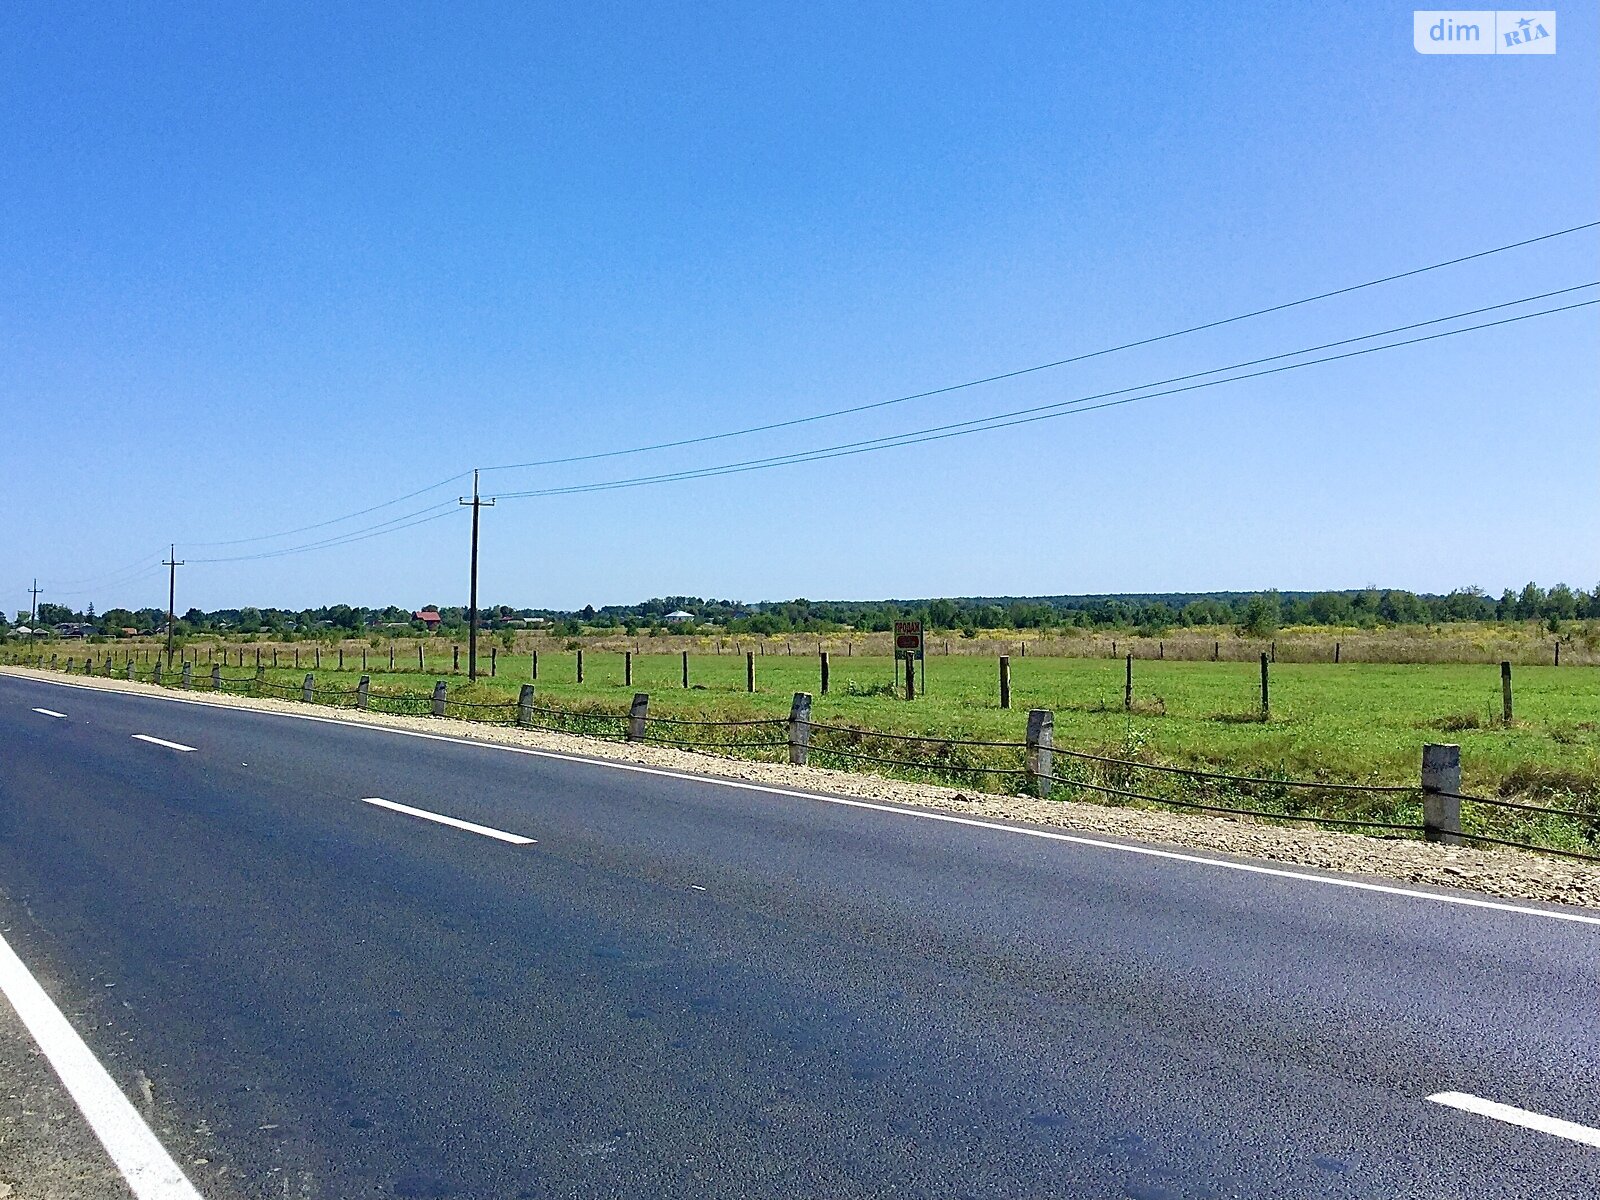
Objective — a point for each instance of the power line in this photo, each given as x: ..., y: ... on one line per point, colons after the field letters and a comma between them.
x: 265, y: 537
x: 1026, y: 415
x: 1060, y: 362
x: 394, y: 525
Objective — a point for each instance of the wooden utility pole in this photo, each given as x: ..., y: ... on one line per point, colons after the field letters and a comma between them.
x: 477, y: 504
x: 33, y: 605
x: 172, y: 562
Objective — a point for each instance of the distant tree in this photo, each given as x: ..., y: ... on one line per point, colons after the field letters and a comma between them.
x: 1261, y: 615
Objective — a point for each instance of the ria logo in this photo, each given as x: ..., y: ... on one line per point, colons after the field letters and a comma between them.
x: 1483, y: 31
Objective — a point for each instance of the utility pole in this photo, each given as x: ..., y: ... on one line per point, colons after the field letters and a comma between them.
x: 477, y: 503
x: 173, y: 562
x: 33, y: 605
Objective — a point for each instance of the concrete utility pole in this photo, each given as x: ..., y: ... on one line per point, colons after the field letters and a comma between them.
x: 33, y: 605
x: 173, y: 562
x: 477, y: 504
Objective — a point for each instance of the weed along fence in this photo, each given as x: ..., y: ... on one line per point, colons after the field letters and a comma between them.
x: 1435, y: 807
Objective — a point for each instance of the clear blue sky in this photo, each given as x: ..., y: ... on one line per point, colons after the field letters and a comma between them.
x: 264, y: 267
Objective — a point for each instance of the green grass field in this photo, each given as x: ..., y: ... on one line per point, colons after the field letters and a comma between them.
x: 1353, y: 723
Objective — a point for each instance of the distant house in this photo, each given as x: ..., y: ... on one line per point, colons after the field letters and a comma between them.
x: 678, y: 617
x: 428, y: 617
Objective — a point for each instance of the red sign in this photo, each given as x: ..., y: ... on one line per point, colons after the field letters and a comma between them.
x: 908, y: 639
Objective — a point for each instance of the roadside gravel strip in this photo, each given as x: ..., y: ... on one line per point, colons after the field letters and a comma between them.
x: 1512, y: 874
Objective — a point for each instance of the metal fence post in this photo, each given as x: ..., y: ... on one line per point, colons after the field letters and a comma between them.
x: 1127, y: 686
x: 438, y: 699
x: 363, y: 691
x: 749, y: 671
x: 525, y: 705
x: 188, y: 675
x: 580, y: 664
x: 306, y: 689
x: 686, y: 665
x: 1041, y: 738
x: 823, y: 654
x: 1441, y: 783
x: 627, y: 668
x: 800, y: 728
x: 1505, y: 690
x: 534, y: 665
x: 638, y: 713
x: 1005, y: 681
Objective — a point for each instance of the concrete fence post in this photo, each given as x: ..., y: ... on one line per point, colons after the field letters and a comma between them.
x: 420, y: 667
x: 525, y: 706
x: 155, y: 672
x: 69, y: 662
x: 494, y: 659
x: 823, y: 655
x: 1005, y: 681
x: 438, y: 698
x: 1127, y: 686
x: 1266, y: 701
x: 580, y: 664
x: 749, y: 671
x: 1441, y: 783
x: 638, y: 714
x: 800, y: 728
x: 686, y: 665
x: 307, y: 689
x: 130, y: 668
x: 216, y: 678
x: 1505, y: 690
x: 455, y: 659
x: 911, y: 677
x: 188, y: 675
x: 627, y: 668
x: 533, y: 666
x: 1041, y: 740
x: 341, y: 658
x: 363, y: 691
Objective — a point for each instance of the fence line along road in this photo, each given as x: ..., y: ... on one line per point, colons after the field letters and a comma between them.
x: 1437, y: 799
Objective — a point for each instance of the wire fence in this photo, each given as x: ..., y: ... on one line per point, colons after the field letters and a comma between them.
x: 987, y: 764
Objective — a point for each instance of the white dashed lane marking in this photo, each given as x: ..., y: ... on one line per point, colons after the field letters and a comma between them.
x: 50, y: 712
x: 1512, y: 1115
x: 516, y: 839
x: 155, y: 741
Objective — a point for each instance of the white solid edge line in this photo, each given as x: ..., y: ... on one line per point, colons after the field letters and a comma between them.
x: 155, y: 741
x: 516, y: 839
x: 1359, y: 885
x: 50, y: 712
x: 1512, y: 1115
x: 137, y: 1152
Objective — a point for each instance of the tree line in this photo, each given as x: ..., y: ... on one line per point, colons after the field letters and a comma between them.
x: 1256, y: 613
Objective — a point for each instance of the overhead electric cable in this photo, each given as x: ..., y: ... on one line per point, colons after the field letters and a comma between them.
x: 1027, y: 415
x: 265, y: 537
x: 1060, y: 362
x: 393, y: 525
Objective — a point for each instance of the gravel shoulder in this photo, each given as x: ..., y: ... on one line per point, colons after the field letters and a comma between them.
x: 1510, y: 874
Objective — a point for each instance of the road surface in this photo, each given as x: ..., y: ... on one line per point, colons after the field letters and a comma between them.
x: 601, y: 981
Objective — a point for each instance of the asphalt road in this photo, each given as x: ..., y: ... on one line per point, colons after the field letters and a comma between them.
x: 681, y: 988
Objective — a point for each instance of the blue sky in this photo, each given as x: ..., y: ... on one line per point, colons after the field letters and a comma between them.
x: 259, y: 269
